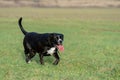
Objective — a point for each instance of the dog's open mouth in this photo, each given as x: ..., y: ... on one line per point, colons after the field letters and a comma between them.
x: 60, y: 48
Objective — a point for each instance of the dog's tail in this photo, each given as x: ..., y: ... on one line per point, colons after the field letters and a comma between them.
x: 21, y: 27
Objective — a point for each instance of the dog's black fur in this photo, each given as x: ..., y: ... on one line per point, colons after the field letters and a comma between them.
x: 40, y: 43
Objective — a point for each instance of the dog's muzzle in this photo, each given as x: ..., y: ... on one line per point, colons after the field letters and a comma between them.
x: 60, y: 42
x: 59, y: 46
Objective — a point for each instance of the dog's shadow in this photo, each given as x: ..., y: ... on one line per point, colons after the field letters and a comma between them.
x: 47, y: 59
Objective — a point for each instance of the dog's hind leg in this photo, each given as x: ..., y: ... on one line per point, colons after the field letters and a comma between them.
x: 29, y: 55
x: 26, y: 51
x: 29, y: 52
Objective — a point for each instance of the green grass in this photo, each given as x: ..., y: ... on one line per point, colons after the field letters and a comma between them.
x: 92, y: 44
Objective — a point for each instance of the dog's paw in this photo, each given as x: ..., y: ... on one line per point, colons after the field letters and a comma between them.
x: 55, y: 63
x: 28, y: 61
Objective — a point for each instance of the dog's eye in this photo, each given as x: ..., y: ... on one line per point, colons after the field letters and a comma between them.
x: 60, y: 37
x: 57, y: 37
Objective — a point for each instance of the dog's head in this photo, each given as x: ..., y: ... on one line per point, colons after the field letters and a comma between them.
x: 56, y: 39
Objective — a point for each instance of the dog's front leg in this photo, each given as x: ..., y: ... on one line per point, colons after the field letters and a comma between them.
x: 57, y: 58
x: 41, y: 58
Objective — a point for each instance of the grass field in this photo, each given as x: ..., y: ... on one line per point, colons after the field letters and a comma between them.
x: 92, y: 44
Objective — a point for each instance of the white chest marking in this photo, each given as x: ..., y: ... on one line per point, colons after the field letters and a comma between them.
x: 51, y: 51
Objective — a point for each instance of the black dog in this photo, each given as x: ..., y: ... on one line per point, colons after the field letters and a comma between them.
x: 45, y: 44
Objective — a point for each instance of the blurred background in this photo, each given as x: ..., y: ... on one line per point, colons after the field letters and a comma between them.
x: 60, y: 3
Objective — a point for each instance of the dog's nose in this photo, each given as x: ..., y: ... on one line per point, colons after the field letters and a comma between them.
x: 60, y: 41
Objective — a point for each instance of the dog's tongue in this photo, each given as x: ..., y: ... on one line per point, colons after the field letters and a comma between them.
x: 60, y: 47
